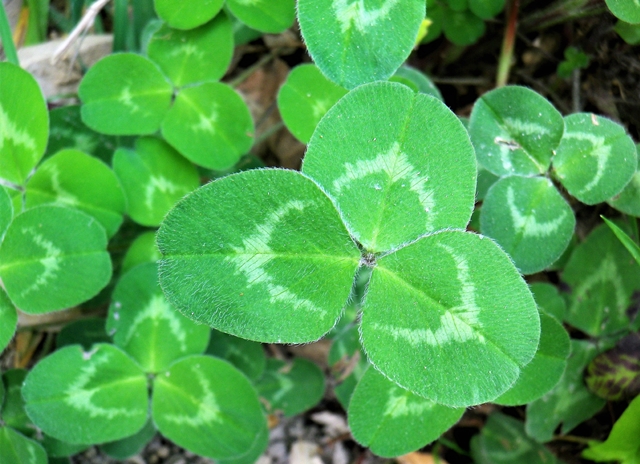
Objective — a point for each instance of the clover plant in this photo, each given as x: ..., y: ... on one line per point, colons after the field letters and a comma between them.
x: 370, y: 243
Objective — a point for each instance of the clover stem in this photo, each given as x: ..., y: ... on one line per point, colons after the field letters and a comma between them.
x: 6, y: 38
x: 506, y: 54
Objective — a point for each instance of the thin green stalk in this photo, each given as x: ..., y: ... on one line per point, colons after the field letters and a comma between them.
x: 506, y: 54
x: 250, y: 70
x: 6, y: 38
x: 120, y: 25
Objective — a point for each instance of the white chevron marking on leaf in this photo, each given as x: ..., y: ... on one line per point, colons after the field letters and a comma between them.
x: 600, y: 151
x: 207, y: 123
x: 607, y: 271
x: 158, y: 309
x: 157, y: 184
x: 255, y: 253
x: 78, y: 396
x: 528, y: 224
x: 126, y: 99
x: 50, y: 262
x: 525, y: 127
x: 62, y: 195
x: 208, y: 410
x: 399, y: 405
x: 356, y: 13
x: 10, y: 132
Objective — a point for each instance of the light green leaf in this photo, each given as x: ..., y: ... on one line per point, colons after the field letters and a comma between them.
x: 154, y: 177
x: 24, y: 123
x: 73, y: 178
x: 631, y: 246
x: 503, y: 441
x: 630, y: 33
x: 15, y: 448
x: 291, y: 387
x: 545, y: 369
x: 548, y: 299
x: 462, y: 27
x: 127, y: 447
x: 602, y: 276
x: 68, y: 131
x: 529, y: 219
x: 210, y: 125
x: 370, y: 39
x: 569, y: 403
x: 416, y: 81
x: 144, y: 325
x: 245, y: 355
x: 626, y: 10
x: 595, y: 159
x: 6, y: 211
x: 397, y: 163
x: 87, y: 397
x: 83, y: 332
x: 392, y: 421
x: 514, y: 131
x: 143, y: 250
x: 8, y: 321
x: 124, y: 94
x: 486, y: 9
x: 208, y: 407
x: 449, y: 318
x: 271, y: 16
x: 194, y: 56
x: 187, y: 15
x: 253, y: 455
x: 53, y: 258
x: 13, y: 413
x: 304, y: 99
x: 281, y: 253
x: 628, y: 200
x: 622, y: 445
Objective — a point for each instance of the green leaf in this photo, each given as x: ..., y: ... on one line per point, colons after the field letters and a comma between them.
x: 416, y: 81
x: 282, y: 255
x: 545, y: 369
x: 626, y: 10
x: 631, y: 246
x: 449, y: 318
x: 194, y: 56
x: 13, y: 413
x: 127, y: 447
x: 143, y: 250
x: 503, y: 441
x: 245, y: 355
x: 15, y: 448
x: 630, y: 33
x: 615, y: 374
x: 529, y: 219
x: 435, y: 14
x: 548, y: 299
x: 271, y: 16
x: 144, y: 325
x: 602, y: 276
x: 83, y: 332
x: 8, y: 321
x: 208, y: 407
x: 68, y: 131
x: 154, y: 177
x: 458, y: 5
x: 291, y: 387
x: 486, y: 9
x: 60, y: 254
x: 210, y: 125
x: 87, y: 397
x: 622, y: 445
x: 393, y: 175
x: 485, y: 180
x: 462, y: 27
x: 124, y: 94
x: 595, y: 159
x: 73, y: 178
x: 304, y: 98
x: 569, y: 403
x: 252, y: 456
x: 514, y: 131
x: 6, y: 211
x: 573, y: 59
x: 392, y: 421
x: 181, y: 15
x: 628, y: 200
x: 59, y: 449
x: 369, y: 39
x: 24, y: 123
